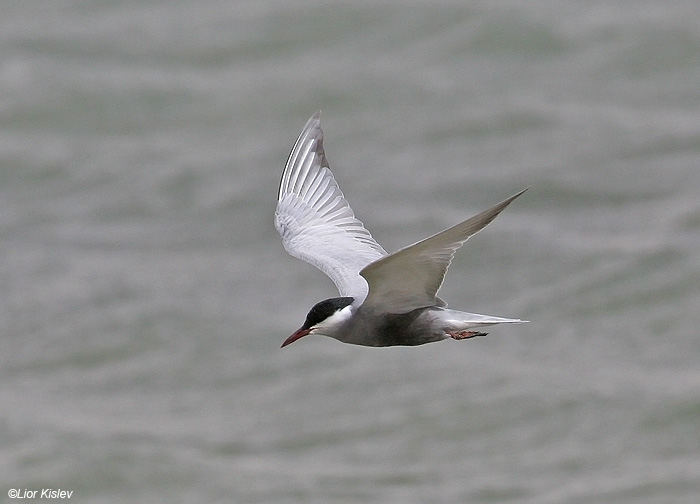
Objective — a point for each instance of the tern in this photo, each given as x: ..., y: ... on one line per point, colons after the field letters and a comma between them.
x: 385, y: 299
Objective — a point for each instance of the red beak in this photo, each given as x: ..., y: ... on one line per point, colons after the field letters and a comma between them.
x: 298, y: 334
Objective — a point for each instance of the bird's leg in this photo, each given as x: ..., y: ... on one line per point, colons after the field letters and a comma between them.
x: 460, y: 335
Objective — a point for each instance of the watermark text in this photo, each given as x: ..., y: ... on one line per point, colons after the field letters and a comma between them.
x: 44, y: 493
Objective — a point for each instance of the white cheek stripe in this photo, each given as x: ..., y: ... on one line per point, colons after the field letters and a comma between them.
x: 336, y: 319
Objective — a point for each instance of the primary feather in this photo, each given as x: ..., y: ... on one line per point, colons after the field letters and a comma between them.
x: 410, y: 278
x: 315, y: 220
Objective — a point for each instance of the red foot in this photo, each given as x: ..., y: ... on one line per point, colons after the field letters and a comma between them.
x: 460, y: 335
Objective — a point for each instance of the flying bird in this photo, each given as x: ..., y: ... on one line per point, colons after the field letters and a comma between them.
x: 385, y: 299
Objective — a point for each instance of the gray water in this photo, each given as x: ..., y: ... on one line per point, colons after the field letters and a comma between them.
x: 145, y: 292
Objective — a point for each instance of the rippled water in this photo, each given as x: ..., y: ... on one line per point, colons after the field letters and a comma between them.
x: 145, y: 292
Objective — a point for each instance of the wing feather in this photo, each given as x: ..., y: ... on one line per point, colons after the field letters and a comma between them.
x: 410, y: 278
x: 315, y: 220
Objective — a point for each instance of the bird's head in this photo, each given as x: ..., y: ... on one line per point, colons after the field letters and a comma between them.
x: 325, y: 318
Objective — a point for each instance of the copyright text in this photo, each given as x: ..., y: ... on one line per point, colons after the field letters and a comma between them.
x: 44, y: 493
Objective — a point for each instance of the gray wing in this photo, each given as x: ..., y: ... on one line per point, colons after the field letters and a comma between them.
x: 315, y: 220
x: 410, y: 278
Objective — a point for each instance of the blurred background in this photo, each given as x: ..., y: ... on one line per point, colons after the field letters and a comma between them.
x: 145, y: 293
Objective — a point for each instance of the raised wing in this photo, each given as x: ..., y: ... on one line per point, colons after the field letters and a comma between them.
x: 315, y: 220
x: 410, y: 278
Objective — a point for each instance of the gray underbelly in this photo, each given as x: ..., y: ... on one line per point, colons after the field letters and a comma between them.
x: 394, y: 329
